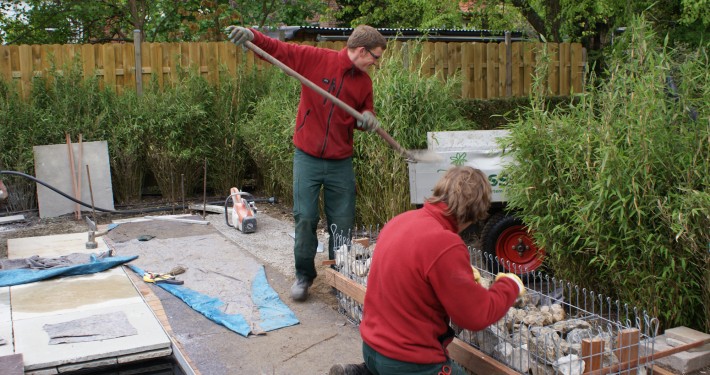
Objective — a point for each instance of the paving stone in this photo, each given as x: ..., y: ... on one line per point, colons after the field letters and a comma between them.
x: 12, y: 364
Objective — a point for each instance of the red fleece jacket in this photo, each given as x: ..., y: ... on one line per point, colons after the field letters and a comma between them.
x: 420, y: 277
x: 323, y: 129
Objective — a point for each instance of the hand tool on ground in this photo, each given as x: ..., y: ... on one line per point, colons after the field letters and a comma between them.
x: 242, y: 213
x: 167, y: 278
x: 414, y: 155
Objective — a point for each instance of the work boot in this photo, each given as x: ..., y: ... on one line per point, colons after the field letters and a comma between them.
x: 299, y: 289
x: 360, y: 369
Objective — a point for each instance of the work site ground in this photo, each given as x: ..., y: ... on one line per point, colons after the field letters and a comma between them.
x: 322, y: 337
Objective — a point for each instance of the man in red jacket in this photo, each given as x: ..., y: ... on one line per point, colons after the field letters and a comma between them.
x: 421, y: 279
x: 323, y: 136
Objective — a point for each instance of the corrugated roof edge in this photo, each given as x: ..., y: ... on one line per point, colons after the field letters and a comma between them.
x: 330, y: 33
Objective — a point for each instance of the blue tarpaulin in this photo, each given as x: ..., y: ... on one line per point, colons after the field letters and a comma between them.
x: 25, y: 275
x: 273, y: 313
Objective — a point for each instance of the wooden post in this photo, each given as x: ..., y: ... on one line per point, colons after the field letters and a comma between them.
x: 592, y: 351
x: 73, y: 172
x: 627, y: 345
x: 508, y: 66
x: 78, y: 177
x: 139, y: 65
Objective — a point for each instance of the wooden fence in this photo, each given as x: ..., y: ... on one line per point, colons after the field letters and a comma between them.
x: 489, y: 70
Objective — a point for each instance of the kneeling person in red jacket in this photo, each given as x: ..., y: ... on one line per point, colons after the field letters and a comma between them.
x: 421, y: 279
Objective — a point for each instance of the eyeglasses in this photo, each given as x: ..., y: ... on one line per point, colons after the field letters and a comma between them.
x: 376, y: 57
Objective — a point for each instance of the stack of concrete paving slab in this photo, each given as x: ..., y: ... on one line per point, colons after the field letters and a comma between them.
x: 687, y: 361
x: 27, y: 312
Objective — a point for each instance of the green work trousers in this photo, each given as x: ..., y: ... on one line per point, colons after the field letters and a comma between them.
x: 337, y: 179
x: 381, y: 365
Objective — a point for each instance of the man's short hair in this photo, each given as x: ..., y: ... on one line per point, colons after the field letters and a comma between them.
x: 366, y: 36
x: 467, y: 193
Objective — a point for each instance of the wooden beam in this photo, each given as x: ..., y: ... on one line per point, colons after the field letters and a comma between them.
x: 475, y: 360
x: 338, y: 281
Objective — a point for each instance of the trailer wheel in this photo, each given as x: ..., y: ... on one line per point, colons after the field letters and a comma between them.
x: 506, y: 237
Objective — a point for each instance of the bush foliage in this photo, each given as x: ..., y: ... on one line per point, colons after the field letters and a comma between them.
x: 615, y: 185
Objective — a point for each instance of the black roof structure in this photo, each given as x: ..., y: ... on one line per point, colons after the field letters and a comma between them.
x: 319, y: 34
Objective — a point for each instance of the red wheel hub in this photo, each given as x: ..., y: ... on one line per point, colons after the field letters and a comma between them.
x: 515, y: 245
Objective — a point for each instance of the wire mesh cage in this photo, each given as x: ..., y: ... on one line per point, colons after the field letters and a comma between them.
x: 555, y: 328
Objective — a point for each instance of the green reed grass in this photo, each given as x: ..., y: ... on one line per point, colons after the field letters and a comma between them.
x: 615, y: 185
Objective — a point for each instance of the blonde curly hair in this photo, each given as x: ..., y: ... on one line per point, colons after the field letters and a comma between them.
x: 467, y: 193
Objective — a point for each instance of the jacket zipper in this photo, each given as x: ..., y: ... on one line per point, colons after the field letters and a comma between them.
x: 330, y: 114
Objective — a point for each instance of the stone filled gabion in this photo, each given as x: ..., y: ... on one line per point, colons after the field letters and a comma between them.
x: 540, y: 334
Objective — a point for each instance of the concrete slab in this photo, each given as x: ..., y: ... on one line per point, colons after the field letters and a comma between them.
x: 683, y: 362
x: 33, y: 341
x: 52, y: 246
x: 31, y: 306
x: 67, y: 295
x: 6, y: 323
x: 52, y: 166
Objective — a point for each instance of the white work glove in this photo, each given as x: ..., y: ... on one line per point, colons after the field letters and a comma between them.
x: 369, y: 123
x: 514, y: 277
x: 239, y: 35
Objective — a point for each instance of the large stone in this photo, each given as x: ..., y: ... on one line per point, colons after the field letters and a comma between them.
x: 516, y: 358
x: 569, y: 365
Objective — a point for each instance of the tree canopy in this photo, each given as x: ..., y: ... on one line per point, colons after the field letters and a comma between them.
x: 100, y: 21
x: 589, y: 21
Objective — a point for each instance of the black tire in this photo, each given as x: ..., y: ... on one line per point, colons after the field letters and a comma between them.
x: 505, y: 241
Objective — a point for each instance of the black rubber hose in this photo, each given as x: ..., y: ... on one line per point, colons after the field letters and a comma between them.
x: 157, y: 209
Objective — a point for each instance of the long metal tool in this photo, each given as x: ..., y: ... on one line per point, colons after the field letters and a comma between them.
x: 415, y: 155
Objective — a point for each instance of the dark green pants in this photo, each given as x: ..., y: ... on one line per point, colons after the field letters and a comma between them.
x: 381, y: 365
x: 337, y: 179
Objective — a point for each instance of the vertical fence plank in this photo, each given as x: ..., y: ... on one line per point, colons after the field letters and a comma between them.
x: 479, y: 58
x: 120, y: 69
x: 175, y: 56
x: 109, y: 61
x: 528, y: 66
x: 5, y: 65
x: 577, y: 67
x: 428, y: 59
x: 46, y: 60
x: 564, y: 69
x: 156, y: 62
x: 129, y: 65
x: 440, y: 64
x: 467, y: 71
x: 25, y: 55
x: 516, y: 69
x: 503, y: 79
x: 212, y: 63
x: 553, y: 71
x: 146, y: 70
x: 194, y: 56
x: 454, y: 58
x: 492, y: 70
x: 88, y: 60
x: 227, y: 58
